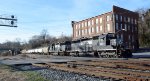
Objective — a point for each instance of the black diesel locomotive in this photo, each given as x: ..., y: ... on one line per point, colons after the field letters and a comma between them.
x: 105, y: 46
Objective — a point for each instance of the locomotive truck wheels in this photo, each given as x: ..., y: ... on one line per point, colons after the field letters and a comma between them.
x: 77, y: 54
x: 96, y: 54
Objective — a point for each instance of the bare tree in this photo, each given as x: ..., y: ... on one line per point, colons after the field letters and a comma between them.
x: 144, y: 27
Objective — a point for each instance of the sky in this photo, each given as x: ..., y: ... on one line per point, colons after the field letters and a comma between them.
x: 55, y: 15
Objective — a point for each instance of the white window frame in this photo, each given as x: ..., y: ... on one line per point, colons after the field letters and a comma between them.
x: 97, y: 29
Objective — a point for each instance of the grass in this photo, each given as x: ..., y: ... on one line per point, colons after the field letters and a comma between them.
x: 7, y: 73
x: 34, y: 76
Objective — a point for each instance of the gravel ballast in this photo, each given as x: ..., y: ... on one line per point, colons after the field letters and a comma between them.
x: 58, y: 75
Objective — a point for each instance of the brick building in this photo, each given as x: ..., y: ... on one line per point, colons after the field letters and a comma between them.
x: 110, y: 22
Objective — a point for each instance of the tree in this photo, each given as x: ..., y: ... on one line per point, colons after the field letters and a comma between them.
x: 144, y: 27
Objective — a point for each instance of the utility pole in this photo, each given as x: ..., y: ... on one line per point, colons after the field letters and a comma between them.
x: 8, y: 21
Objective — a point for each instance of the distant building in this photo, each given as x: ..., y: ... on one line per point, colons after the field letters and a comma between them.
x: 110, y: 22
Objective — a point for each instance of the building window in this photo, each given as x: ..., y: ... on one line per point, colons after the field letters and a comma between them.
x: 116, y: 26
x: 129, y: 38
x: 82, y: 32
x: 132, y: 20
x: 128, y: 27
x: 97, y: 29
x: 121, y: 27
x: 85, y: 31
x: 101, y: 28
x: 122, y: 37
x: 89, y: 30
x: 120, y: 18
x: 107, y: 18
x: 108, y: 27
x: 92, y: 29
x: 101, y: 20
x: 89, y: 23
x: 128, y: 19
x: 132, y: 29
x: 135, y: 21
x: 92, y: 22
x: 97, y: 21
x: 76, y: 26
x: 82, y: 24
x: 136, y: 28
x: 76, y: 33
x: 116, y: 17
x: 132, y: 38
x: 124, y: 19
x: 117, y: 36
x: 79, y: 32
x: 79, y: 26
x: 85, y: 24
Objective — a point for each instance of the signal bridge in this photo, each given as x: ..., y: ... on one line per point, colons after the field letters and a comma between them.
x: 8, y: 20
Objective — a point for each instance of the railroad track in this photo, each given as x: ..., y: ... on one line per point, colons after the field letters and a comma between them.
x: 131, y: 70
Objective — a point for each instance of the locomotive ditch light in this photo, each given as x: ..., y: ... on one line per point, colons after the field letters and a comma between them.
x: 124, y: 30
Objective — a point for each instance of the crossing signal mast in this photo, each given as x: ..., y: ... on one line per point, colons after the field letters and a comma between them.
x: 8, y: 21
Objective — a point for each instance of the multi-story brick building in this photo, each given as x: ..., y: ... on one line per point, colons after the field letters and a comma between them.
x: 110, y: 22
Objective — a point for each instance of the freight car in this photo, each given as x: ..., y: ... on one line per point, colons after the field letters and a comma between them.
x: 40, y: 50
